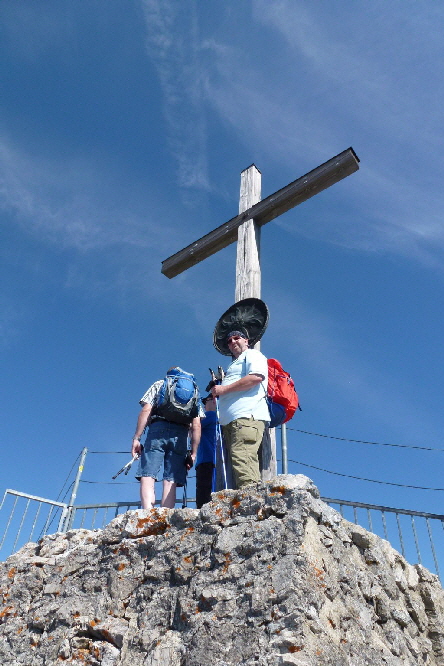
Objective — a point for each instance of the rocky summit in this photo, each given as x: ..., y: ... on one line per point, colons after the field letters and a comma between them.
x: 268, y: 575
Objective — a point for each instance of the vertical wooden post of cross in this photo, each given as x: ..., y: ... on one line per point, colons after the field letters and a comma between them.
x: 248, y: 268
x: 248, y: 285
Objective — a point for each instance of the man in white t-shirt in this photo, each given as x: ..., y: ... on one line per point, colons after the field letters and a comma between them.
x: 243, y: 407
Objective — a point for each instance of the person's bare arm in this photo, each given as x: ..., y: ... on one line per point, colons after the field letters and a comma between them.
x: 195, y: 436
x: 243, y: 384
x: 142, y: 420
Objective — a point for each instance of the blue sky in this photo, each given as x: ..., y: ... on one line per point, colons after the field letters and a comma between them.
x: 124, y: 128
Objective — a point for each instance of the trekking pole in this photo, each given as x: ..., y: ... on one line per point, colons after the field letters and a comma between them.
x: 284, y: 448
x: 184, y: 496
x: 217, y: 379
x: 126, y: 468
x: 221, y: 444
x: 188, y: 461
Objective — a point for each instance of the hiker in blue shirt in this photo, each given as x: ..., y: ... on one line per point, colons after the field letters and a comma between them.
x: 166, y: 442
x: 206, y: 453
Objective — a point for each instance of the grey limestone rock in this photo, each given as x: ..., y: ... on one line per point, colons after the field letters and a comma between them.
x: 264, y: 576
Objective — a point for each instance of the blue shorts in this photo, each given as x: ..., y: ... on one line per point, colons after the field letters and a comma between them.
x: 166, y: 443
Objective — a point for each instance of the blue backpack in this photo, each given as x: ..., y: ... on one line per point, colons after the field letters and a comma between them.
x: 178, y: 398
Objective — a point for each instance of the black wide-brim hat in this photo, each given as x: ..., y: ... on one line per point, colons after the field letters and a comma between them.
x: 249, y: 316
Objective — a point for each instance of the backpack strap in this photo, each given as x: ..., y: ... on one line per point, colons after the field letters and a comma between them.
x: 262, y: 382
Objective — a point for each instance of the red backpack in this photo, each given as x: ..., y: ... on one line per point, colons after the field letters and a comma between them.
x: 282, y: 398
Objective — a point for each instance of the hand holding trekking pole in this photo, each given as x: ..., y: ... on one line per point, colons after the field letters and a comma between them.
x: 218, y: 390
x: 215, y: 386
x: 136, y: 448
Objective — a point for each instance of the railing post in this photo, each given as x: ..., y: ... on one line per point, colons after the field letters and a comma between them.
x: 62, y: 520
x: 284, y: 449
x: 70, y: 512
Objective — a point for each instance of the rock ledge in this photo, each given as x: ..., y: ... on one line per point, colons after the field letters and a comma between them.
x: 267, y: 576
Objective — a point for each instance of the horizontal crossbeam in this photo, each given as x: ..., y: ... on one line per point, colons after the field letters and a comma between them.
x: 276, y: 204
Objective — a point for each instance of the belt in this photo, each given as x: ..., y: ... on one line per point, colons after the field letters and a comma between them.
x: 159, y: 419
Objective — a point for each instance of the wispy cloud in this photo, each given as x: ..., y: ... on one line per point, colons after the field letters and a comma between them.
x: 382, y: 212
x: 114, y: 250
x: 68, y: 203
x: 258, y: 109
x: 174, y: 47
x: 377, y: 67
x: 339, y: 91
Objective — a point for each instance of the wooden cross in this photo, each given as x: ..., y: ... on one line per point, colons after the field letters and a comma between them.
x: 245, y: 228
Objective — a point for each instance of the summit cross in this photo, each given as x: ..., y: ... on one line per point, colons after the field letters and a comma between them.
x: 255, y: 213
x: 245, y: 228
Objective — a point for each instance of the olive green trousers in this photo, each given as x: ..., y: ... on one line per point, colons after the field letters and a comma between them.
x: 243, y: 438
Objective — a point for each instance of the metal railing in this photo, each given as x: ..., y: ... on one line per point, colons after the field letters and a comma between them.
x: 419, y: 536
x: 28, y: 523
x: 97, y: 516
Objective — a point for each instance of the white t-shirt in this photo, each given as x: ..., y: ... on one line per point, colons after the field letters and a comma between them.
x: 150, y: 396
x: 250, y: 403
